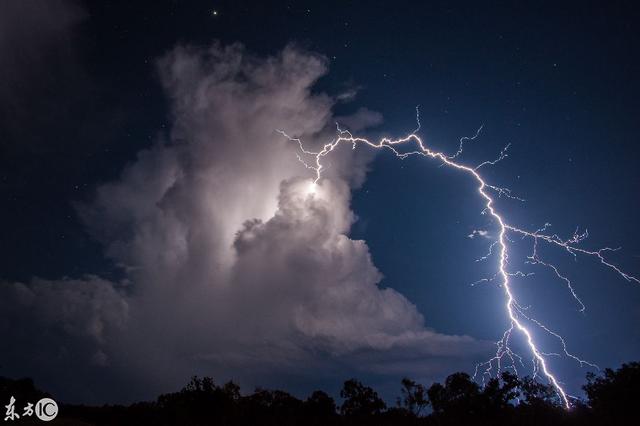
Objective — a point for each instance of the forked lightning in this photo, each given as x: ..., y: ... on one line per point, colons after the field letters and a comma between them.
x: 518, y: 318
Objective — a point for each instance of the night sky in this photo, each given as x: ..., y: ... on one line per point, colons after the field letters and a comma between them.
x: 136, y: 138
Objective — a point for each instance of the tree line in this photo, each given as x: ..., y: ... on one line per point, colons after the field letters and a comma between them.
x: 610, y: 398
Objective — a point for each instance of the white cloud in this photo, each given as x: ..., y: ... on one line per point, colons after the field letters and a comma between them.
x: 232, y: 265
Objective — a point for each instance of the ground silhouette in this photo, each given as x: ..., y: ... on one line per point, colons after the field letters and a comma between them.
x: 610, y: 399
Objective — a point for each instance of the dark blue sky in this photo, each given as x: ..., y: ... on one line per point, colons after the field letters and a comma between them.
x: 558, y: 82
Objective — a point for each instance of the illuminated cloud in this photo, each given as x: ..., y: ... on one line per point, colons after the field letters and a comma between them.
x: 235, y: 266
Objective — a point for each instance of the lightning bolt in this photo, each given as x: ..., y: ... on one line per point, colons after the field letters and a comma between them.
x: 518, y: 318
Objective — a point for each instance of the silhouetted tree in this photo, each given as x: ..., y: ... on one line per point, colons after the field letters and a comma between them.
x: 497, y: 397
x: 615, y: 393
x: 200, y: 402
x: 231, y: 390
x: 271, y: 407
x: 320, y: 408
x: 538, y: 403
x: 500, y: 392
x: 457, y: 396
x: 414, y: 397
x: 360, y: 400
x: 504, y: 400
x: 537, y: 394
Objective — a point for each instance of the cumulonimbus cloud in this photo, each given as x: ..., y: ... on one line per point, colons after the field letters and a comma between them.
x: 232, y: 267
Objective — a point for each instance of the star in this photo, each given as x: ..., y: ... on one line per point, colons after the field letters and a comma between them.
x: 214, y: 13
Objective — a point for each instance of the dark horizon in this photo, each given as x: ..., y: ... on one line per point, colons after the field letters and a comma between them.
x: 505, y: 399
